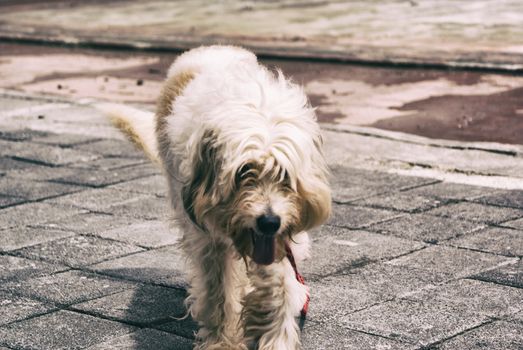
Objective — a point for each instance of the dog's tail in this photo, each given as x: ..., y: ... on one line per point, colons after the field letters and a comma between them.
x: 137, y: 125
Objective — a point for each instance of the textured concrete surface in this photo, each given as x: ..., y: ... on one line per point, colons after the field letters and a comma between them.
x: 89, y: 260
x: 441, y: 104
x: 456, y: 33
x: 424, y: 249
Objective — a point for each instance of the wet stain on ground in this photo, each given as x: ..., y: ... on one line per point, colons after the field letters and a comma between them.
x: 304, y: 72
x: 483, y: 117
x: 325, y: 117
x: 492, y: 118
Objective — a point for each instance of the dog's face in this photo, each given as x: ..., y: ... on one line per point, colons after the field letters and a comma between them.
x: 257, y: 202
x: 263, y: 211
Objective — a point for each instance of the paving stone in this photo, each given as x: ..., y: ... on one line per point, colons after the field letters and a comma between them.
x: 76, y: 117
x: 346, y: 175
x: 96, y: 199
x: 420, y: 323
x: 477, y: 212
x: 14, y: 268
x: 494, y: 336
x: 452, y: 261
x: 110, y: 163
x: 101, y: 130
x: 19, y: 237
x: 22, y: 135
x: 7, y: 148
x: 350, y: 192
x: 349, y: 184
x: 38, y: 172
x: 401, y: 202
x: 7, y: 163
x: 336, y: 296
x: 63, y: 140
x: 155, y: 184
x: 426, y: 228
x: 143, y: 207
x: 14, y: 308
x: 183, y: 326
x: 150, y: 234
x: 327, y: 337
x: 163, y: 266
x: 347, y: 193
x: 49, y: 155
x: 496, y: 240
x: 61, y: 330
x: 358, y: 217
x: 119, y: 203
x: 7, y: 201
x: 34, y: 190
x: 112, y: 148
x: 146, y: 339
x: 33, y: 213
x: 102, y: 177
x: 485, y: 298
x: 517, y: 224
x: 452, y: 191
x: 505, y: 199
x: 510, y: 275
x: 77, y: 251
x: 336, y: 249
x: 11, y: 103
x: 68, y: 287
x: 141, y: 305
x: 518, y: 317
x: 88, y: 223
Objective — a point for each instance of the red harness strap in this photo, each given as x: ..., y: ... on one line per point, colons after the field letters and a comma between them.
x: 303, y: 313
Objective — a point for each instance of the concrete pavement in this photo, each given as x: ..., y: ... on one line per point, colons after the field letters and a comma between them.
x: 440, y: 104
x: 455, y: 33
x: 424, y: 248
x: 87, y: 258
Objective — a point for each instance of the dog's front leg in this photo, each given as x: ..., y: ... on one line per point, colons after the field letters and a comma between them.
x: 214, y: 296
x: 271, y: 308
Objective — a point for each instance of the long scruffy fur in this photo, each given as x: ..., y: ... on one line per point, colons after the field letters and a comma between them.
x: 238, y: 144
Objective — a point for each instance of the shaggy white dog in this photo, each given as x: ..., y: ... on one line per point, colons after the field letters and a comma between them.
x: 241, y: 151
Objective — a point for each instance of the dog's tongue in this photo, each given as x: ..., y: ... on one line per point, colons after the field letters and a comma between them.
x: 264, y: 248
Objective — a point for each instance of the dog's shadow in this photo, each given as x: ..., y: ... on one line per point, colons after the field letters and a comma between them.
x: 158, y: 311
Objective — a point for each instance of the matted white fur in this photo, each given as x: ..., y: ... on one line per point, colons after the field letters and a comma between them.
x: 237, y: 144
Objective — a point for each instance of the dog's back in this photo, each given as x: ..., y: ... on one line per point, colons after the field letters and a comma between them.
x: 141, y: 127
x: 214, y: 58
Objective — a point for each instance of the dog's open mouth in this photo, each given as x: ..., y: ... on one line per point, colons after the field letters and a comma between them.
x: 264, y: 248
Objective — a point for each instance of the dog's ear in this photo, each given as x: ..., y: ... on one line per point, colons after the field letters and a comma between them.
x: 314, y: 190
x: 200, y: 194
x: 316, y: 201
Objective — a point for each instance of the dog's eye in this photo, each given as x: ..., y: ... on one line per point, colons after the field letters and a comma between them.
x: 286, y: 180
x: 247, y: 170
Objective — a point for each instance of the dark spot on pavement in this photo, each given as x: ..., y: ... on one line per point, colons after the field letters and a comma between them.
x: 324, y: 117
x: 490, y: 118
x: 304, y: 72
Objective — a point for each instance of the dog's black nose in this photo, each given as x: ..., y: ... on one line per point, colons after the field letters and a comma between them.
x: 268, y: 224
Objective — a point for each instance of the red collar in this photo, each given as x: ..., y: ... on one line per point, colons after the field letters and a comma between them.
x: 290, y: 256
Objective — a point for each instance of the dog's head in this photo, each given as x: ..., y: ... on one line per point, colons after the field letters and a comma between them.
x: 259, y: 181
